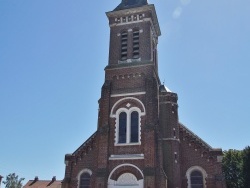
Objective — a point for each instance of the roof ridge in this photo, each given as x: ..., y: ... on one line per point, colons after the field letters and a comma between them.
x: 196, y: 136
x: 126, y: 4
x: 91, y: 137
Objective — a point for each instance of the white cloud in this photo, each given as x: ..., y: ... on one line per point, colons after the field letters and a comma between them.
x: 185, y: 2
x: 177, y: 12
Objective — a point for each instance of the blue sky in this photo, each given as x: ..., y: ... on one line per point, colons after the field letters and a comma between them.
x: 52, y: 59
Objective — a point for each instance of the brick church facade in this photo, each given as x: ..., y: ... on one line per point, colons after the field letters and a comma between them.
x: 139, y: 142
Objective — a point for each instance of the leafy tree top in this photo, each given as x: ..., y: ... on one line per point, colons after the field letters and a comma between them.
x: 13, y: 181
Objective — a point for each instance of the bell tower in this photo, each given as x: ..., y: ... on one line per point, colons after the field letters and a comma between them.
x: 134, y: 32
x: 129, y: 102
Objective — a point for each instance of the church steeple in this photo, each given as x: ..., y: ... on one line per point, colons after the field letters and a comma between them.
x: 134, y: 32
x: 125, y: 4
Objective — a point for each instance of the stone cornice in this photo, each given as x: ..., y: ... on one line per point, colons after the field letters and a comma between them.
x: 137, y: 10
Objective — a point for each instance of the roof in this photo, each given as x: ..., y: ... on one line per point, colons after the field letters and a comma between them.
x: 197, y: 138
x: 36, y: 183
x: 164, y: 88
x: 126, y: 4
x: 86, y: 143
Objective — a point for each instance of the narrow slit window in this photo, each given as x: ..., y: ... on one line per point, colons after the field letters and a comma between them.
x: 136, y: 45
x: 134, y: 127
x: 124, y: 45
x: 122, y: 127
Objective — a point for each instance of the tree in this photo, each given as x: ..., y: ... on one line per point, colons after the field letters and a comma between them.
x: 246, y: 167
x: 12, y: 181
x: 232, y: 166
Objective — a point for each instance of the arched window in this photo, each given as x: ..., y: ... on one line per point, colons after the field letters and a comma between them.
x: 124, y: 45
x: 122, y: 127
x: 196, y: 176
x: 122, y: 178
x: 128, y: 129
x: 136, y: 50
x: 134, y: 127
x: 196, y: 179
x: 127, y: 179
x: 85, y: 180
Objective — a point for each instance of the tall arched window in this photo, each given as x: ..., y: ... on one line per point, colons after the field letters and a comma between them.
x: 196, y: 179
x: 122, y: 127
x: 128, y: 126
x: 85, y: 180
x: 124, y: 45
x: 134, y: 127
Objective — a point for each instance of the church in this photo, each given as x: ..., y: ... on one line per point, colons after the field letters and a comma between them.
x: 139, y: 142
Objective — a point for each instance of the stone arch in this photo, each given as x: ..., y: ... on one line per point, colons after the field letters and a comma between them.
x: 127, y: 101
x: 128, y: 125
x: 126, y: 175
x: 85, y: 170
x: 126, y: 169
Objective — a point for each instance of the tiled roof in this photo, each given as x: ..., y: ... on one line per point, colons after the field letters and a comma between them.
x: 126, y: 4
x: 36, y: 183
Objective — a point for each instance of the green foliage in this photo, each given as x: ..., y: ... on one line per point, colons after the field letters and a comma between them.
x: 246, y: 167
x: 232, y: 165
x: 236, y: 168
x: 12, y: 181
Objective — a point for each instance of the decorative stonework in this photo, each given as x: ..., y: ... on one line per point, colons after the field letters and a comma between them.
x: 127, y: 179
x: 126, y: 168
x: 127, y: 157
x: 129, y: 61
x: 128, y: 94
x: 82, y: 151
x: 129, y: 76
x: 129, y: 19
x: 132, y: 100
x: 126, y: 175
x: 128, y: 133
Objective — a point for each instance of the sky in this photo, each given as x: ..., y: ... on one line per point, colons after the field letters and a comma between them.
x: 52, y: 59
